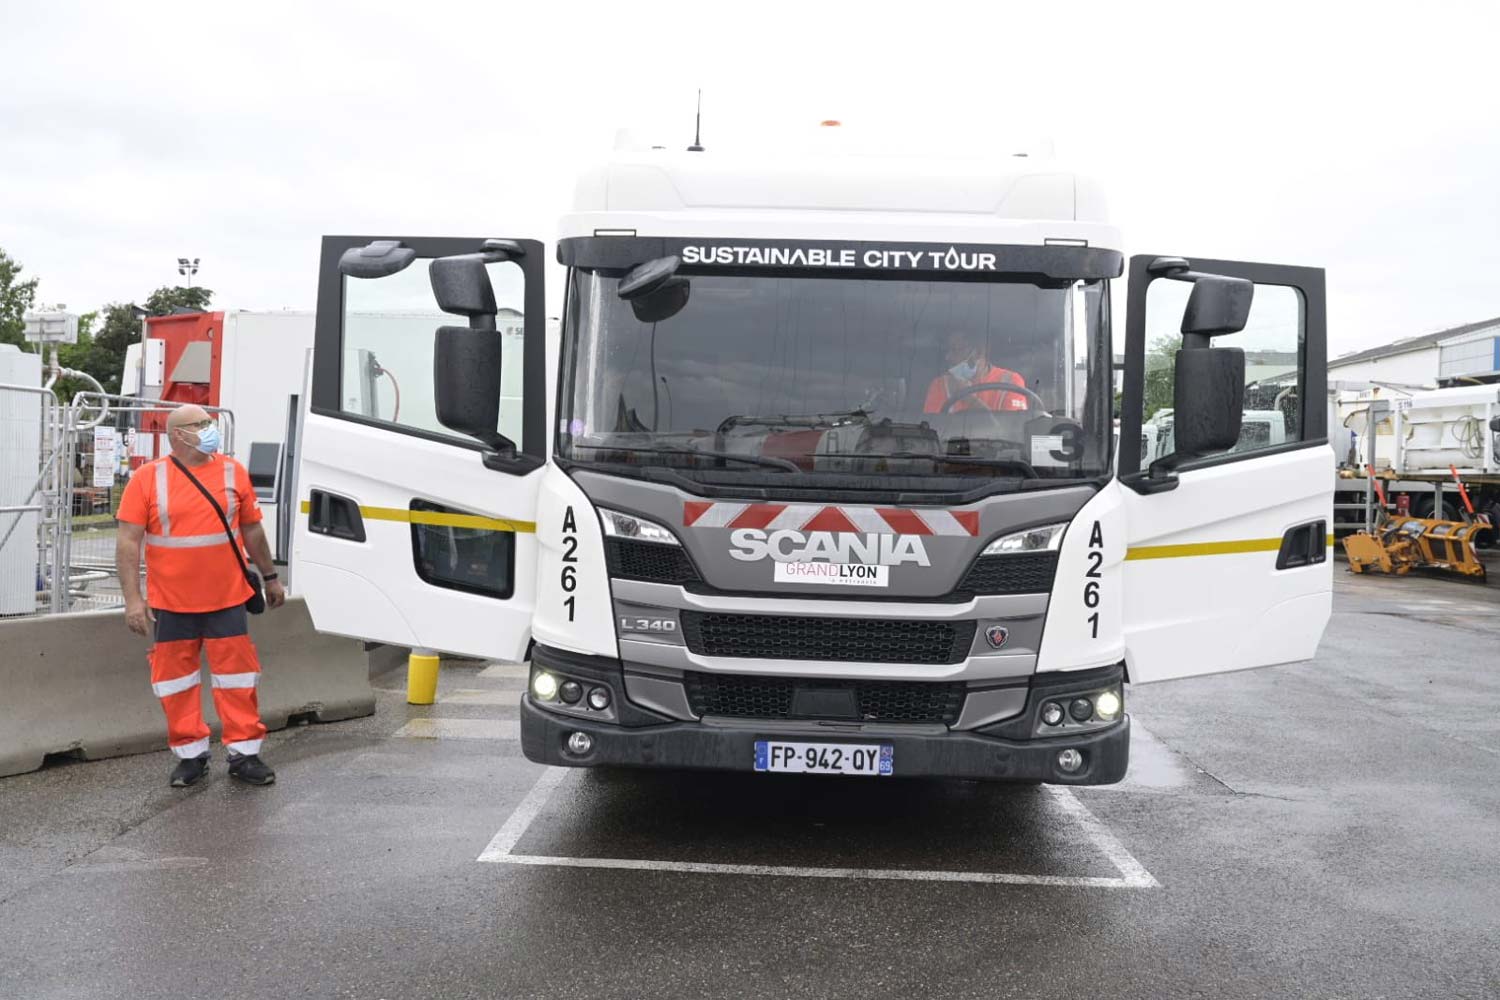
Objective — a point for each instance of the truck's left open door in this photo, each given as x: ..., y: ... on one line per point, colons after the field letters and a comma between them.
x: 410, y: 532
x: 1227, y: 565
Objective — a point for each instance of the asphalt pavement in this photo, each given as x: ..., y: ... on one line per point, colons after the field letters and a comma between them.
x: 1327, y: 829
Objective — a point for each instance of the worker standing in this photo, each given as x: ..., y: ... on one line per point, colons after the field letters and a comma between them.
x: 197, y: 586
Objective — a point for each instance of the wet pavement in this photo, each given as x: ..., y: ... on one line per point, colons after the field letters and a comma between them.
x: 1329, y: 829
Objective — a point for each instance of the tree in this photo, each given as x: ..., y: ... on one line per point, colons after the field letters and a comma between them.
x: 16, y: 297
x: 1161, y: 364
x: 102, y: 353
x: 165, y: 301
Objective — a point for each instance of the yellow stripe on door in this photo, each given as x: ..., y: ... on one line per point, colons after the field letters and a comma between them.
x: 1207, y: 548
x: 439, y: 518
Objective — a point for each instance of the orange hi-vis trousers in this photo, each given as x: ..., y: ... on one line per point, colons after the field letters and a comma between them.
x: 181, y: 639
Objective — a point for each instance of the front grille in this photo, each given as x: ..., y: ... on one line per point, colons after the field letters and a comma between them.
x: 1021, y: 573
x: 787, y: 637
x: 652, y: 562
x: 747, y: 697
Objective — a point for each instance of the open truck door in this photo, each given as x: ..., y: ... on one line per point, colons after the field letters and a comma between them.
x: 1227, y: 565
x: 406, y: 534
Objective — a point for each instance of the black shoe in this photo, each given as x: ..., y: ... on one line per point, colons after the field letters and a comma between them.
x: 189, y: 770
x: 250, y: 769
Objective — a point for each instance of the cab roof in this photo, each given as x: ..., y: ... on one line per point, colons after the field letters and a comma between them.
x: 836, y: 193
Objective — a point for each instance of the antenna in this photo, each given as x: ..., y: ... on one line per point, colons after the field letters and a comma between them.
x: 697, y: 146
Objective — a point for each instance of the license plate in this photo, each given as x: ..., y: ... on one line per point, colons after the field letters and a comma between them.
x: 860, y: 759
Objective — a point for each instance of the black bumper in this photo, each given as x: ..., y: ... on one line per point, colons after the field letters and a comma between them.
x: 693, y: 745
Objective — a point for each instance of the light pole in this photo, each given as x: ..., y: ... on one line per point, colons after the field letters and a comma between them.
x: 187, y: 268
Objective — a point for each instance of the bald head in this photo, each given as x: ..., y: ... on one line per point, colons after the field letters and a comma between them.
x: 184, y: 415
x: 184, y: 425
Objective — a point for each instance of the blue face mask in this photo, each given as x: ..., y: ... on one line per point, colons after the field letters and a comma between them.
x: 208, y: 439
x: 964, y: 371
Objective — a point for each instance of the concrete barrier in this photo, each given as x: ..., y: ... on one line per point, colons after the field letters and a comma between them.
x: 80, y: 684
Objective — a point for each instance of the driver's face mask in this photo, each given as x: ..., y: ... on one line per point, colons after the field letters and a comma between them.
x: 965, y: 370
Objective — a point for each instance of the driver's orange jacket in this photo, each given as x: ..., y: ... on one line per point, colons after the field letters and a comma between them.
x: 946, y: 386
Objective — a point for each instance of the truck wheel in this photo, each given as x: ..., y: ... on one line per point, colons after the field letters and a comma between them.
x: 1424, y: 508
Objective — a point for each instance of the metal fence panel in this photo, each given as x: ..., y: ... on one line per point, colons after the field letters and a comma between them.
x: 57, y: 517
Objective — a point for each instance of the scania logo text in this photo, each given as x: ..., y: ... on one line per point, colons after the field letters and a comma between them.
x: 785, y: 545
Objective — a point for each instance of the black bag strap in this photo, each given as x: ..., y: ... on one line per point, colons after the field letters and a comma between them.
x: 234, y: 544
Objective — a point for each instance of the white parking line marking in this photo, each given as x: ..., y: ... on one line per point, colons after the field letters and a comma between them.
x: 1133, y: 875
x: 460, y: 729
x: 506, y: 694
x: 506, y: 671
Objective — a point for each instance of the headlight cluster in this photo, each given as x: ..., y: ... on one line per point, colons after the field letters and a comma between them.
x: 618, y: 525
x: 1080, y: 712
x: 1047, y: 538
x: 558, y: 691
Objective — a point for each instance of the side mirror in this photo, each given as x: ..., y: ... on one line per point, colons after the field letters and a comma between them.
x: 466, y: 383
x: 643, y: 279
x: 654, y: 290
x: 1208, y: 382
x: 1209, y: 391
x: 380, y: 259
x: 466, y: 360
x: 1217, y: 305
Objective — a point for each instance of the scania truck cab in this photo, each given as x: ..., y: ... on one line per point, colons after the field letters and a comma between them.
x: 815, y: 474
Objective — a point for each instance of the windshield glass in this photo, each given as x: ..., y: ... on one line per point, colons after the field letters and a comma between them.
x: 852, y: 383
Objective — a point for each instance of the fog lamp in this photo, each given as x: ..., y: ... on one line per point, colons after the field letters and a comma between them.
x: 1052, y: 713
x: 1069, y: 760
x: 543, y: 686
x: 599, y: 699
x: 1107, y: 705
x: 580, y: 742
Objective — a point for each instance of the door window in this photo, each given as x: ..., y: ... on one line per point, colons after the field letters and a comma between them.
x: 388, y: 342
x: 476, y: 560
x: 1275, y: 365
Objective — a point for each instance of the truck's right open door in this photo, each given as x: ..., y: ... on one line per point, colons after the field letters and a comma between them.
x: 1227, y: 564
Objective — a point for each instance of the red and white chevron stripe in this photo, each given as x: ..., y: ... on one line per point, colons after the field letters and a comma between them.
x: 817, y: 517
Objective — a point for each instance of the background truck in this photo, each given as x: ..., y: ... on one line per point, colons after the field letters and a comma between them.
x: 816, y: 476
x: 1415, y: 439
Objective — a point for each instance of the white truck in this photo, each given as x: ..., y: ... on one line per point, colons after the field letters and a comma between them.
x: 817, y: 475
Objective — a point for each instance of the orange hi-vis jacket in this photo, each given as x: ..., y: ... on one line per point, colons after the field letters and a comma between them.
x: 189, y: 564
x: 945, y: 387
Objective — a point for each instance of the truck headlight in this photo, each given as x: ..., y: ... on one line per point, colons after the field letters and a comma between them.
x: 618, y: 525
x: 1047, y: 538
x: 1080, y: 712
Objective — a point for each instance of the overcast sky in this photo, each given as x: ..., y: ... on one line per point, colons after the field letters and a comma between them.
x: 1360, y: 138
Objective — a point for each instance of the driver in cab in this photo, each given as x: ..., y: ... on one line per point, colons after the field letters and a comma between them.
x: 968, y: 366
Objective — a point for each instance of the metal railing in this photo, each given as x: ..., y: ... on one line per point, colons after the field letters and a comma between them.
x: 65, y: 469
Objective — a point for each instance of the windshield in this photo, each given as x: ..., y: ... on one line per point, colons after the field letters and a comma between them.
x: 853, y: 383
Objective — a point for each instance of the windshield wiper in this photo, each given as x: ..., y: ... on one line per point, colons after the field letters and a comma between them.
x: 989, y: 463
x: 729, y: 456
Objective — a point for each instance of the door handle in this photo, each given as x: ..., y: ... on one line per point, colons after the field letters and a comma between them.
x: 335, y: 516
x: 1303, y: 545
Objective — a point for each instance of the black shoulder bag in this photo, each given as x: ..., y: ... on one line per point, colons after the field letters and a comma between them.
x: 257, y: 601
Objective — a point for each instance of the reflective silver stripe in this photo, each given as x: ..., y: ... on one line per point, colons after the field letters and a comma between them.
x: 189, y: 541
x: 197, y: 748
x: 233, y: 500
x: 236, y: 680
x: 176, y: 685
x: 161, y: 497
x: 243, y: 746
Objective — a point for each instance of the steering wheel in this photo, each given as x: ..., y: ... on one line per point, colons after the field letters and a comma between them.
x: 1064, y: 424
x: 1012, y: 387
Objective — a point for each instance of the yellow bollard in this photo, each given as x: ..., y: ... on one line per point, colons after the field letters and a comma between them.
x: 421, y: 677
